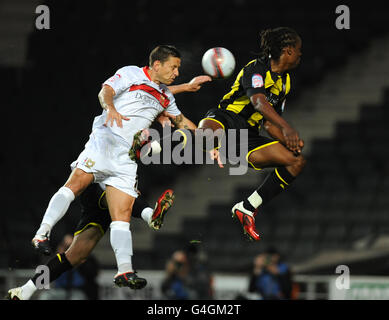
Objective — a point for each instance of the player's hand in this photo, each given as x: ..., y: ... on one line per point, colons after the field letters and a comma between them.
x: 215, y: 154
x: 165, y: 118
x: 301, y: 145
x: 114, y: 116
x: 196, y: 83
x: 292, y: 140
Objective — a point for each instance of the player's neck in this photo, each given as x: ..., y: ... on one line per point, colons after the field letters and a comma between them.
x: 153, y: 76
x: 278, y: 66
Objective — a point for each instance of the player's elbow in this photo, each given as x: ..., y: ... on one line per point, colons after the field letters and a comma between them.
x: 259, y: 102
x: 267, y: 125
x: 105, y: 92
x: 100, y: 95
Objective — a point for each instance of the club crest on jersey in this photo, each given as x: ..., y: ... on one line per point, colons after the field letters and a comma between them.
x: 89, y: 163
x: 257, y: 81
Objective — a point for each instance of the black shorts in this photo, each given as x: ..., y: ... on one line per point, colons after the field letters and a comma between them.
x: 93, y: 213
x: 230, y: 120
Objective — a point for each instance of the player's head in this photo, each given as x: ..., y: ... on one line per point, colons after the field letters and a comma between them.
x: 165, y: 60
x: 282, y: 43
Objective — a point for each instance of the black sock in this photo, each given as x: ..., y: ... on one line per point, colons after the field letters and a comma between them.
x: 57, y: 265
x: 139, y: 204
x: 275, y: 183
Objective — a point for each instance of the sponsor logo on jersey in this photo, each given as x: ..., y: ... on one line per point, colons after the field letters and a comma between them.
x: 257, y: 81
x: 113, y: 78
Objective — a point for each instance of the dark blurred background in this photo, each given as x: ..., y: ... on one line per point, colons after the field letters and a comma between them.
x: 49, y: 100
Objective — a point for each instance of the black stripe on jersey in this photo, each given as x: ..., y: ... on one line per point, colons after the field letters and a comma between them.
x: 238, y: 92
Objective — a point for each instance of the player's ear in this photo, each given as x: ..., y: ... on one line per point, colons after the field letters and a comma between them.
x: 289, y: 50
x: 156, y: 65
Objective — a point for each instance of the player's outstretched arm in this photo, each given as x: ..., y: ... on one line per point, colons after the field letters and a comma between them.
x: 192, y: 86
x: 180, y: 121
x: 105, y: 96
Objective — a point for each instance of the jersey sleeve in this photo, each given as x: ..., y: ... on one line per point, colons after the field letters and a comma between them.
x: 253, y: 79
x: 172, y: 107
x: 119, y: 81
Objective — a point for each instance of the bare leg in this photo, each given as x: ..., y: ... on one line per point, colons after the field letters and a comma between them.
x: 277, y: 155
x: 120, y: 207
x: 78, y: 181
x: 82, y: 245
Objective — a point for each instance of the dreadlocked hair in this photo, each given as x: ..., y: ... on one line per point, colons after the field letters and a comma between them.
x: 274, y: 40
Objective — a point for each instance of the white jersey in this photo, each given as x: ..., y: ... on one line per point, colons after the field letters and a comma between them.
x: 138, y: 98
x: 106, y: 153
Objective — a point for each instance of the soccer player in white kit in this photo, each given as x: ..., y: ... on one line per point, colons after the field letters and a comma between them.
x: 132, y: 99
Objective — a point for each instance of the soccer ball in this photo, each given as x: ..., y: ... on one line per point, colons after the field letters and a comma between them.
x: 218, y: 62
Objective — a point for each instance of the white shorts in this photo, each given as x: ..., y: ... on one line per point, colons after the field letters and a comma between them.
x: 106, y: 157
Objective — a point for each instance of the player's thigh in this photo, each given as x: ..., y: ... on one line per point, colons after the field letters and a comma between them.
x: 272, y: 155
x: 78, y: 181
x: 209, y: 123
x: 82, y: 245
x: 212, y: 131
x: 120, y: 204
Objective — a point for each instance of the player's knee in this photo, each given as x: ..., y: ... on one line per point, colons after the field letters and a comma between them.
x: 301, y: 161
x: 78, y: 182
x: 82, y: 260
x: 77, y: 257
x: 298, y: 164
x: 122, y: 215
x: 73, y: 257
x: 76, y: 187
x: 207, y: 139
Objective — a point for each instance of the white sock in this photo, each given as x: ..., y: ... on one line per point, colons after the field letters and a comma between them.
x: 121, y: 242
x: 56, y: 209
x: 146, y: 214
x: 28, y: 290
x: 255, y: 199
x: 44, y: 229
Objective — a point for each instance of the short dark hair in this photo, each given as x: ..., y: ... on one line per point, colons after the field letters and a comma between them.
x: 162, y: 53
x: 274, y: 40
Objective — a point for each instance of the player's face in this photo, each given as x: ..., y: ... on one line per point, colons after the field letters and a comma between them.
x: 168, y: 70
x: 296, y: 53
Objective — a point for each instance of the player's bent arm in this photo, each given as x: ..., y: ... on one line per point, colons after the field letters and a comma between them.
x: 265, y: 108
x: 105, y: 96
x: 274, y: 132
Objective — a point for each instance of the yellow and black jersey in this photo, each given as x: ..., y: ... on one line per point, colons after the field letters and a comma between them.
x: 256, y: 77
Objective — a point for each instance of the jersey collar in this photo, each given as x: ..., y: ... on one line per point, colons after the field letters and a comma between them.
x: 146, y: 71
